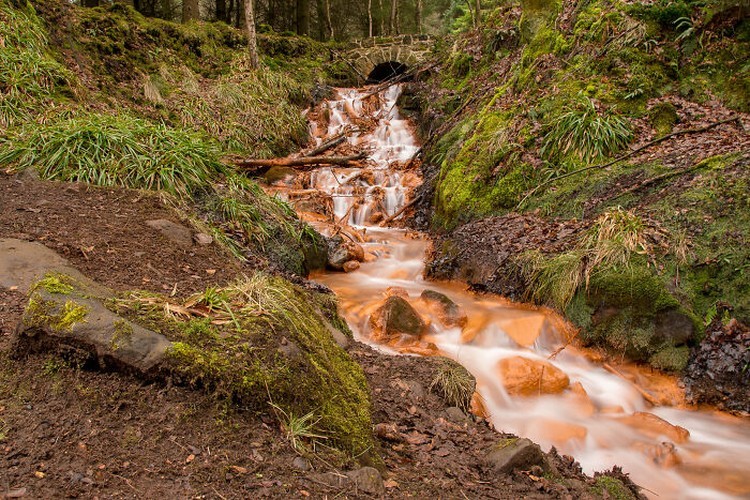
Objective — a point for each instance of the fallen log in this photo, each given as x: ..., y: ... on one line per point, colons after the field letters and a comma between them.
x: 299, y: 163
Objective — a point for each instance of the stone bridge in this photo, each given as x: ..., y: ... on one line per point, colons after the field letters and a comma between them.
x: 380, y: 58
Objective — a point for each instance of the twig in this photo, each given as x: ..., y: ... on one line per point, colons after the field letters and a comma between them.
x: 648, y: 397
x: 401, y: 210
x: 633, y: 152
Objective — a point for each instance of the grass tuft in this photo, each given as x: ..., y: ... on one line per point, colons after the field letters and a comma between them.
x: 584, y: 133
x: 454, y: 384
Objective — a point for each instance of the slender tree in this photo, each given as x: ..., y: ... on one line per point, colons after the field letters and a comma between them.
x: 478, y: 10
x: 252, y: 42
x: 303, y: 17
x: 394, y: 18
x: 221, y: 10
x: 418, y: 15
x: 369, y: 18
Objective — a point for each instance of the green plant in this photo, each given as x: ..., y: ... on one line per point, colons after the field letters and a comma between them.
x: 585, y: 133
x: 121, y: 150
x: 4, y: 429
x: 454, y: 384
x: 297, y: 429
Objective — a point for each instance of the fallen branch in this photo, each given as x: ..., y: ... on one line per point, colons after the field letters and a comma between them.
x: 627, y: 155
x: 301, y: 163
x: 331, y: 143
x: 648, y: 397
x: 658, y: 178
x: 401, y: 211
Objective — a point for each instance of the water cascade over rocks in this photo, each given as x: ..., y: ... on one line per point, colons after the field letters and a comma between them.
x: 602, y: 414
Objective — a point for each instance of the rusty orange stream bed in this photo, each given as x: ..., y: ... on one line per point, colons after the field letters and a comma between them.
x: 602, y: 414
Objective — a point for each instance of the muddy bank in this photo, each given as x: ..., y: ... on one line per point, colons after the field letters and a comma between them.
x: 484, y: 253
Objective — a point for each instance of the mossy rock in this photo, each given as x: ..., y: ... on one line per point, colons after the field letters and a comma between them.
x: 277, y: 347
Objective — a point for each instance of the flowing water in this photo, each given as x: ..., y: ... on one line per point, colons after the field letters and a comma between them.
x: 601, y: 418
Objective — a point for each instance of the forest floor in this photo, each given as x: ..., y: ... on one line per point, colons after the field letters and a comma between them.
x: 66, y: 431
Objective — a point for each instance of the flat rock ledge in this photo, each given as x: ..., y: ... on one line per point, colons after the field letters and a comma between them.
x: 66, y: 313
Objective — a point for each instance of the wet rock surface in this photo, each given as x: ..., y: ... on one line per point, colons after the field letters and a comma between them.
x: 341, y: 251
x: 449, y: 313
x: 511, y: 454
x: 718, y: 371
x: 527, y: 377
x: 396, y: 317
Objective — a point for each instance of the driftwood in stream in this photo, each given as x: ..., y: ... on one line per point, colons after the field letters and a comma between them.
x: 300, y: 163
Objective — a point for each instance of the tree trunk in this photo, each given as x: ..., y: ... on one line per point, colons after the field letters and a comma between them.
x: 190, y: 10
x: 221, y: 10
x: 394, y: 17
x: 252, y: 43
x: 303, y: 17
x: 478, y: 12
x: 369, y: 18
x: 418, y: 15
x: 239, y: 18
x: 230, y: 12
x: 327, y: 18
x: 91, y: 3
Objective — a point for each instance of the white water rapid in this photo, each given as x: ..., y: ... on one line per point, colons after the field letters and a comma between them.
x: 601, y: 418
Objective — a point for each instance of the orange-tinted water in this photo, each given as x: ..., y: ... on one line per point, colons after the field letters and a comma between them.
x: 602, y: 414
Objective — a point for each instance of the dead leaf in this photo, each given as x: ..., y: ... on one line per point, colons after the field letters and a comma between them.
x: 39, y: 474
x: 390, y: 483
x: 189, y: 458
x: 238, y: 469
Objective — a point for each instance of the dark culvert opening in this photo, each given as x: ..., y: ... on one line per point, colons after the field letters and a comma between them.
x: 386, y: 71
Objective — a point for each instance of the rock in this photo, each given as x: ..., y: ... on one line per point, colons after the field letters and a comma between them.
x: 367, y: 479
x: 656, y: 427
x: 674, y: 327
x: 75, y: 320
x: 394, y: 318
x: 515, y: 453
x: 351, y: 266
x: 341, y: 251
x: 447, y: 311
x: 301, y: 463
x: 376, y: 217
x: 278, y: 175
x: 527, y: 377
x: 23, y: 263
x: 172, y: 231
x: 456, y: 414
x: 203, y: 239
x: 717, y: 372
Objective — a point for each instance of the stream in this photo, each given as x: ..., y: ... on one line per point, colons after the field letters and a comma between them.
x: 592, y: 409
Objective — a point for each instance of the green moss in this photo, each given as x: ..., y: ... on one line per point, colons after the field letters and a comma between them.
x: 671, y: 358
x: 41, y: 313
x: 271, y: 344
x: 55, y: 283
x: 610, y: 487
x: 663, y: 118
x: 122, y: 334
x: 632, y: 286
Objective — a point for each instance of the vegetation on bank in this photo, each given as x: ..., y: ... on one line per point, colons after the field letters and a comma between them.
x: 558, y: 87
x: 108, y: 97
x: 262, y: 341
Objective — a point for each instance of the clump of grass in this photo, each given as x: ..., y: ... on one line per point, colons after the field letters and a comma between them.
x: 585, y: 133
x: 611, y: 241
x: 28, y: 73
x: 454, y: 384
x: 117, y: 150
x: 614, y: 236
x: 556, y: 279
x: 297, y: 430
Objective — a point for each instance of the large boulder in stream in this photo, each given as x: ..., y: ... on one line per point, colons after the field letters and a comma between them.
x: 394, y: 318
x: 528, y: 377
x: 448, y: 312
x: 342, y: 250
